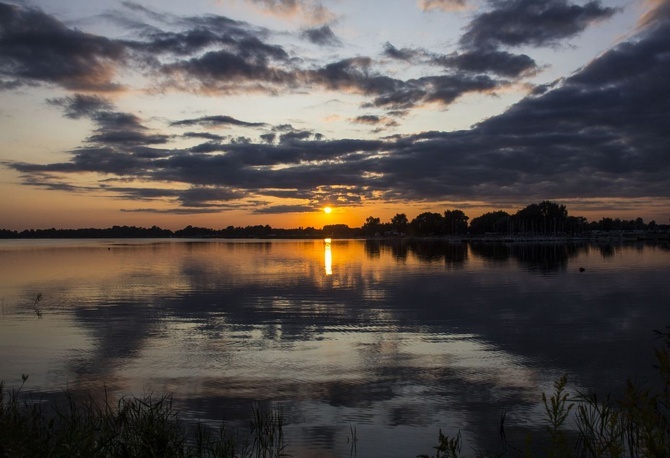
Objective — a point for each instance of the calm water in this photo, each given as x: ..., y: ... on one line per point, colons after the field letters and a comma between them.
x: 396, y: 340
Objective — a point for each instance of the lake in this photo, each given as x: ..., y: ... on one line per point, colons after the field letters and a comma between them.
x: 392, y: 339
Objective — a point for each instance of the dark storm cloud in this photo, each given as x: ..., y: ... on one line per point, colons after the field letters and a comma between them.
x: 532, y: 22
x: 214, y: 121
x: 35, y: 47
x: 322, y: 36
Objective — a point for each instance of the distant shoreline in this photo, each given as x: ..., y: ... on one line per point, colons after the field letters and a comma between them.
x: 611, y: 236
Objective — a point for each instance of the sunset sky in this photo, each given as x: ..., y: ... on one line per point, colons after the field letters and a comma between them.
x: 240, y: 112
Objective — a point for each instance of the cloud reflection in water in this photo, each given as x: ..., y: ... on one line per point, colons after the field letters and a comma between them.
x: 396, y: 338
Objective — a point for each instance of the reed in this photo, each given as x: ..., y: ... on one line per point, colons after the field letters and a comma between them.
x: 146, y: 426
x: 580, y: 425
x: 586, y: 426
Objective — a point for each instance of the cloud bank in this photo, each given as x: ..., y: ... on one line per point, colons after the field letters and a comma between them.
x: 600, y: 133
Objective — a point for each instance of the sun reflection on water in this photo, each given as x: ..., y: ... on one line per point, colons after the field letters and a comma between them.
x: 328, y: 257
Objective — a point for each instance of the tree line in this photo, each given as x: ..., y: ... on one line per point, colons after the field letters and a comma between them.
x: 544, y: 218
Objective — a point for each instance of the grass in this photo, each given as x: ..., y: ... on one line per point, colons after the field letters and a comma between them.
x: 145, y: 426
x: 581, y: 425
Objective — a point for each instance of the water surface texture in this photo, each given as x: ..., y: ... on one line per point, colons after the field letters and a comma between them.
x: 397, y: 339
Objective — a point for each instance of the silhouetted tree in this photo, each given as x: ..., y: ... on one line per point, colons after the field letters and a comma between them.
x: 399, y: 223
x: 576, y: 224
x: 337, y: 230
x: 427, y: 224
x: 372, y: 226
x: 495, y: 222
x: 455, y: 222
x: 544, y: 218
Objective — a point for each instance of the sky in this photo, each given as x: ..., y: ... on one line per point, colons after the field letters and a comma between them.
x: 242, y: 112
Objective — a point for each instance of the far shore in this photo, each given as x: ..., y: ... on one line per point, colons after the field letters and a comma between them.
x: 619, y: 236
x: 594, y: 236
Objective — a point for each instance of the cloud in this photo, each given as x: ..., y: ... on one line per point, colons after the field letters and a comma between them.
x: 310, y: 11
x: 205, y: 135
x: 532, y: 23
x: 657, y: 14
x: 225, y: 71
x: 190, y: 34
x: 216, y: 121
x: 443, y: 90
x: 269, y: 137
x: 36, y: 48
x: 473, y: 60
x: 275, y: 209
x: 294, y: 136
x: 226, y: 56
x: 322, y: 36
x: 368, y: 119
x: 114, y: 128
x: 208, y: 196
x: 174, y: 211
x: 381, y: 122
x: 400, y: 54
x: 81, y: 105
x: 355, y: 75
x: 489, y: 61
x: 442, y: 5
x: 220, y: 55
x: 598, y: 134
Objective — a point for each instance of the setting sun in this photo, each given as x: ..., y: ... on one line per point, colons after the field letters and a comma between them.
x: 328, y: 210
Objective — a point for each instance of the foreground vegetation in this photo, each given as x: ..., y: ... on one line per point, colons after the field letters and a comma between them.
x: 132, y: 427
x: 582, y: 425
